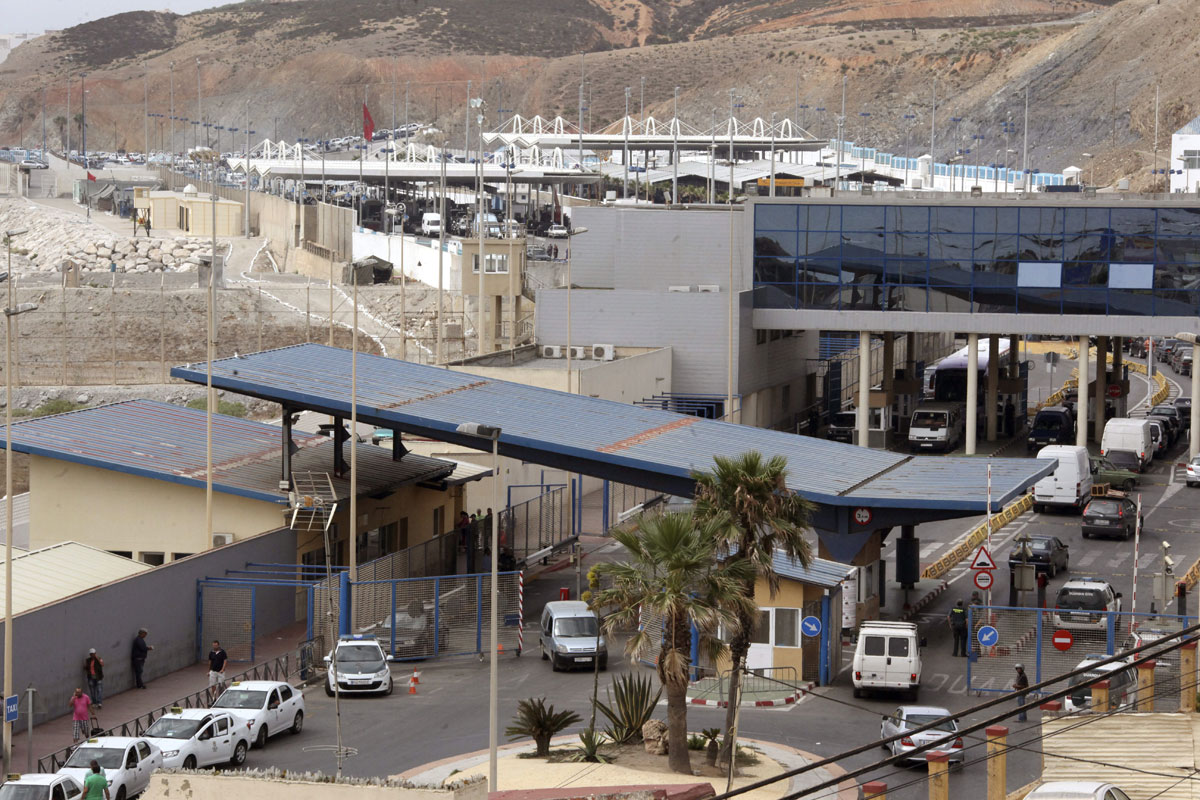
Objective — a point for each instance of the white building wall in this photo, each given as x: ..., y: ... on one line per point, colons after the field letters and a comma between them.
x: 420, y: 256
x: 1189, y: 181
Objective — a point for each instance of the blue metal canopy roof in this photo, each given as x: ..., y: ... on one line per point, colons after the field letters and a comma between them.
x: 168, y: 442
x: 626, y: 443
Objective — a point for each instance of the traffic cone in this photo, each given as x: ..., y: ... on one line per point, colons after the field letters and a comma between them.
x: 412, y: 686
x: 416, y: 678
x: 501, y: 646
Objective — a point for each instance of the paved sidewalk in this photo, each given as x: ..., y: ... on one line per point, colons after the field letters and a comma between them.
x: 128, y: 704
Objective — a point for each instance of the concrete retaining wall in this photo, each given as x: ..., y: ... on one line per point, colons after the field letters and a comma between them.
x: 202, y: 786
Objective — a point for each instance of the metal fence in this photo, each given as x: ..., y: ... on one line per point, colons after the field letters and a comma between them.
x: 302, y: 664
x: 227, y: 615
x: 416, y: 618
x: 622, y: 501
x: 538, y: 526
x: 1050, y: 642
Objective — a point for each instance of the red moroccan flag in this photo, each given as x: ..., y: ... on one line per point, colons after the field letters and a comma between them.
x: 91, y: 177
x: 368, y: 124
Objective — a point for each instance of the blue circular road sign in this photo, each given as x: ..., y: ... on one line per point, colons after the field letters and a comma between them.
x: 988, y: 636
x: 810, y: 626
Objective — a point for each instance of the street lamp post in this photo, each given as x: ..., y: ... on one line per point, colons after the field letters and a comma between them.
x: 1091, y: 157
x: 909, y: 118
x: 675, y: 150
x: 10, y: 311
x: 493, y: 434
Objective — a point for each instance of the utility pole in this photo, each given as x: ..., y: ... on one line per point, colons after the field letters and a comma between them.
x: 1025, y: 145
x: 625, y: 130
x: 87, y: 200
x: 467, y: 132
x: 1154, y: 169
x: 932, y: 130
x: 200, y: 109
x: 44, y: 159
x: 841, y: 130
x: 172, y: 64
x: 675, y: 150
x: 145, y: 114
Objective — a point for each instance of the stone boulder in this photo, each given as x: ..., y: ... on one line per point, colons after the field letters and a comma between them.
x: 654, y: 736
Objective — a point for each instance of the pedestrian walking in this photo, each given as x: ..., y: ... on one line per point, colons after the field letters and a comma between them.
x: 976, y: 598
x: 958, y: 626
x: 81, y: 713
x: 138, y: 656
x: 95, y: 785
x: 93, y: 668
x: 1020, y: 685
x: 147, y: 223
x: 216, y: 666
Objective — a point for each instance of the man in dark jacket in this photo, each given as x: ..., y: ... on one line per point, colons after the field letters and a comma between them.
x: 958, y: 626
x: 138, y: 656
x: 93, y: 667
x: 1019, y: 685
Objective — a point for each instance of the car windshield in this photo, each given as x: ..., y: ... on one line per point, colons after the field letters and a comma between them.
x: 575, y: 626
x: 24, y: 791
x: 917, y: 720
x: 174, y: 728
x: 109, y: 757
x: 928, y: 419
x: 1102, y: 507
x: 1047, y: 422
x: 1040, y: 545
x: 360, y: 659
x: 1082, y: 600
x: 241, y: 698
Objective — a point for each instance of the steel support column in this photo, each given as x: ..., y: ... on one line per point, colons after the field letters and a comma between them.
x: 992, y: 392
x: 864, y: 388
x: 972, y: 411
x: 1101, y: 385
x: 1081, y: 405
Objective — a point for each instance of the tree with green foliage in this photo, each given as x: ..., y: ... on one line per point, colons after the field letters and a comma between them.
x: 672, y: 573
x: 748, y: 498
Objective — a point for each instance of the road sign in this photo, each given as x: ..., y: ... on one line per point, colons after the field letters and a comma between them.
x: 1114, y: 390
x: 862, y: 515
x: 1063, y: 640
x: 10, y: 707
x: 988, y: 636
x: 983, y: 579
x: 983, y: 559
x: 810, y: 626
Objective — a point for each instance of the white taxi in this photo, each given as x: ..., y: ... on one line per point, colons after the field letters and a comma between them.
x: 127, y: 763
x: 41, y: 786
x: 264, y: 707
x: 361, y: 666
x: 197, y: 737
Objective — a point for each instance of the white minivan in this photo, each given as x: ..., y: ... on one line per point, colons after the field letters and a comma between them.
x: 431, y: 223
x: 1122, y: 434
x: 887, y: 657
x: 936, y: 426
x: 1070, y: 485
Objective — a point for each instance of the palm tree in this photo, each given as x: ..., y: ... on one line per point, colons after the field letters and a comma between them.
x: 672, y: 573
x: 758, y: 515
x: 60, y: 124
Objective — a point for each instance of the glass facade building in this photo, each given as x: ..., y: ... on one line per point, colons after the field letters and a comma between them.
x: 1073, y: 258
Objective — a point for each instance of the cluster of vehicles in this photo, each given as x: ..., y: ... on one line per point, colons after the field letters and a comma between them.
x: 245, y: 715
x: 1172, y: 352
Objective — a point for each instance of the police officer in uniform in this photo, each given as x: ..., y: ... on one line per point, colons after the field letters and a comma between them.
x: 958, y: 625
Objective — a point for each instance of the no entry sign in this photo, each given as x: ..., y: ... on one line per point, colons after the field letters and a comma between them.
x: 1063, y: 640
x: 983, y: 579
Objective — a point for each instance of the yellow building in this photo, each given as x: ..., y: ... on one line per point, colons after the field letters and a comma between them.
x: 130, y: 478
x: 189, y: 211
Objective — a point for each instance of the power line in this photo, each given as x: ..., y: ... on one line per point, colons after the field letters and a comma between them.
x: 1184, y: 637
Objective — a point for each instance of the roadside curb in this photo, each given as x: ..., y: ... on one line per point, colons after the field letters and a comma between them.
x: 920, y: 605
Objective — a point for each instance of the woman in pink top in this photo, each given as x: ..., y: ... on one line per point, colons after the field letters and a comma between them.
x: 80, y: 714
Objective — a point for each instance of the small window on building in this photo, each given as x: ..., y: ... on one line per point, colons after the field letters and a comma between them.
x: 177, y: 556
x: 786, y: 622
x: 496, y: 264
x: 313, y: 558
x: 153, y: 559
x: 439, y: 521
x: 122, y: 553
x: 402, y: 534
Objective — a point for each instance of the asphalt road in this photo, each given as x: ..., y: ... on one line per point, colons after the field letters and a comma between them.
x: 448, y: 716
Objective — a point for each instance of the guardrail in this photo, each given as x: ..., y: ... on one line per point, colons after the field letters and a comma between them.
x: 975, y: 537
x: 303, y: 662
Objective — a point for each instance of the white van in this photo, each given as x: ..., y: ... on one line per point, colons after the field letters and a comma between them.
x: 888, y: 656
x: 936, y: 426
x: 431, y: 223
x: 1070, y: 485
x: 1130, y: 436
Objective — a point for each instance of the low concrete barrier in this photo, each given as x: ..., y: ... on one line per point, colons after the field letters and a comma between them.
x: 273, y: 785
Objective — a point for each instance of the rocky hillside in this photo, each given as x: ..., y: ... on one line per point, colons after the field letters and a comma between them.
x: 304, y: 67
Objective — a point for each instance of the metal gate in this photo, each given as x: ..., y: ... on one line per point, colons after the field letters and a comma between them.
x: 623, y: 501
x: 225, y: 612
x: 417, y: 618
x: 1050, y: 642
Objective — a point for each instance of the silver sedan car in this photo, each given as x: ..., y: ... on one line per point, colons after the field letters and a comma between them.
x: 907, y: 718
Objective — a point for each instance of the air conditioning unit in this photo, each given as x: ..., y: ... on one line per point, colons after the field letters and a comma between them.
x: 603, y: 352
x: 710, y: 288
x: 222, y: 539
x: 578, y: 352
x: 552, y: 351
x: 679, y: 288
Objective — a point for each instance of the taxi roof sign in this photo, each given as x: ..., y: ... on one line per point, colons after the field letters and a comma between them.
x: 983, y: 559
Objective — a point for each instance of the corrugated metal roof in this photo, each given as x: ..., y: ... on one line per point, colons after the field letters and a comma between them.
x: 52, y: 573
x: 1158, y: 749
x: 605, y: 438
x: 820, y: 572
x: 465, y: 472
x: 168, y: 442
